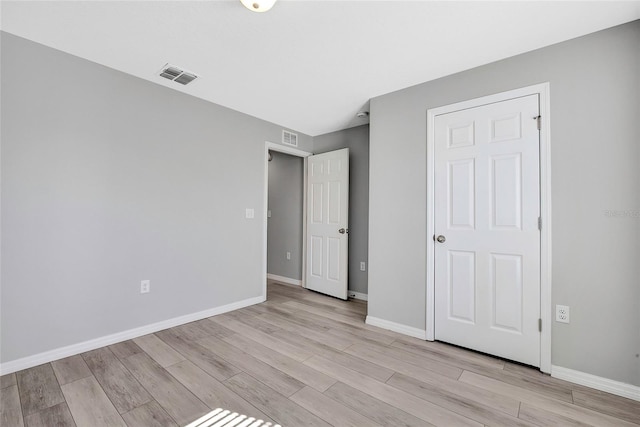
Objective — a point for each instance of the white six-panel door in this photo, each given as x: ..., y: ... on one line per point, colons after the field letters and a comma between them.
x: 328, y: 222
x: 487, y: 204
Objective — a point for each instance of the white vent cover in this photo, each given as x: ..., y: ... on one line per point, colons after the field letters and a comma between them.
x: 289, y: 138
x: 176, y: 74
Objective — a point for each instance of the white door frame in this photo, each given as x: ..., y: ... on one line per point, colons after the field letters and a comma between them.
x: 542, y: 90
x: 271, y: 146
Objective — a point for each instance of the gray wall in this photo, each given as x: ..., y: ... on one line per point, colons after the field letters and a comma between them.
x: 357, y: 140
x: 595, y: 149
x: 107, y: 180
x: 284, y: 232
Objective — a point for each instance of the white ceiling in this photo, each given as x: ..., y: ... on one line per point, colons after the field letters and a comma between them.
x: 307, y: 65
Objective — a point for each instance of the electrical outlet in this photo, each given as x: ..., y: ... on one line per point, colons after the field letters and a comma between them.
x: 363, y: 266
x: 288, y: 255
x: 249, y: 213
x: 145, y: 286
x: 562, y: 313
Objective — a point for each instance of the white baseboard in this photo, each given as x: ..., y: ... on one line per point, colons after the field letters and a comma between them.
x: 282, y: 279
x: 397, y: 327
x: 72, y: 350
x: 358, y: 295
x: 599, y: 383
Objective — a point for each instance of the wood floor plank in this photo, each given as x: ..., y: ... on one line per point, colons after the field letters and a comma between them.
x: 124, y: 349
x: 70, y: 369
x: 391, y: 395
x: 262, y: 338
x: 7, y: 380
x: 293, y: 323
x: 182, y: 405
x: 365, y: 367
x: 148, y: 415
x: 320, y: 303
x: 529, y: 371
x: 465, y: 406
x: 277, y: 380
x: 212, y: 392
x: 606, y: 403
x: 457, y: 352
x: 539, y: 383
x: 289, y: 366
x: 344, y: 322
x: 330, y: 410
x: 346, y: 330
x: 337, y: 343
x: 440, y: 355
x: 375, y: 409
x: 123, y: 390
x: 544, y: 418
x: 272, y: 308
x: 442, y: 369
x: 10, y: 409
x: 57, y: 415
x: 39, y: 389
x: 201, y: 329
x: 353, y: 307
x: 251, y: 320
x: 159, y: 351
x: 272, y: 403
x: 447, y: 387
x: 89, y: 405
x: 208, y: 361
x: 538, y: 400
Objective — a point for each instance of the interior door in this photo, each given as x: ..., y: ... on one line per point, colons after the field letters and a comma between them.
x: 328, y: 222
x: 487, y: 248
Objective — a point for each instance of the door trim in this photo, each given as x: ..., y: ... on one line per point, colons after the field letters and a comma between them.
x: 298, y: 153
x: 542, y: 90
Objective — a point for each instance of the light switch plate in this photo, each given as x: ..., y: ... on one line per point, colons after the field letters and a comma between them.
x: 249, y: 213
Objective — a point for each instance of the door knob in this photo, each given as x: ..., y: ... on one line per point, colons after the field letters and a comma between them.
x: 343, y: 230
x: 441, y: 239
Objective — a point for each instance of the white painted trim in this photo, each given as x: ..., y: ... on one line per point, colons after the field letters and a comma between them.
x: 542, y: 90
x: 396, y: 327
x: 358, y: 295
x: 546, y: 312
x: 294, y: 152
x: 72, y: 350
x: 282, y: 279
x: 618, y: 388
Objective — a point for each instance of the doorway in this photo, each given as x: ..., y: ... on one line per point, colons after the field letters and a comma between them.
x: 488, y: 288
x: 301, y: 263
x: 284, y: 218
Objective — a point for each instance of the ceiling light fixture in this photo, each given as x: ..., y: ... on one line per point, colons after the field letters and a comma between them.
x: 258, y: 5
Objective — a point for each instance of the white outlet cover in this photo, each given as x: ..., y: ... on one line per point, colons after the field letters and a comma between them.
x: 563, y: 314
x: 145, y: 286
x: 249, y: 213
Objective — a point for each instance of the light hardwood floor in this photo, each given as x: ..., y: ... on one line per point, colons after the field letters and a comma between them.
x: 299, y: 359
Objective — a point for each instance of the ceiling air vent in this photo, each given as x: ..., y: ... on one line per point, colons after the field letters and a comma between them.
x: 177, y: 75
x: 289, y: 138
